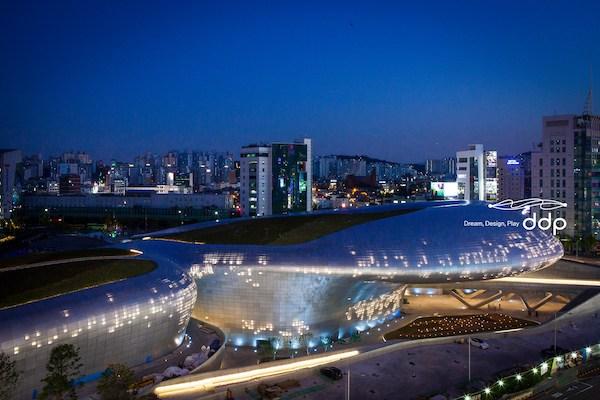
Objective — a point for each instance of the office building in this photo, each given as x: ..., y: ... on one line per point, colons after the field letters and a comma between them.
x: 514, y: 177
x: 567, y: 169
x: 276, y: 178
x: 291, y: 171
x: 476, y: 173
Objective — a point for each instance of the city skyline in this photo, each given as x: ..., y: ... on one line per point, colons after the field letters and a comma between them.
x: 380, y: 78
x: 317, y: 200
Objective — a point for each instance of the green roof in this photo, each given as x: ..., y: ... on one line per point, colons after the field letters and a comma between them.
x: 62, y: 255
x: 25, y: 285
x: 281, y: 230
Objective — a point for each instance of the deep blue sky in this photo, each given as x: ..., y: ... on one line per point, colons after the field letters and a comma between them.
x: 402, y: 82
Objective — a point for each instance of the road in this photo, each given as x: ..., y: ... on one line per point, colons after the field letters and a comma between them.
x: 578, y: 390
x: 407, y: 370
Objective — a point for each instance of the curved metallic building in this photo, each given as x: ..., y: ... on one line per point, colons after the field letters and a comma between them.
x: 341, y: 282
x: 354, y: 278
x: 131, y: 321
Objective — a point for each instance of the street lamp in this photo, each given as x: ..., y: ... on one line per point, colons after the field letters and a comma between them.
x: 469, y: 346
x: 556, y: 328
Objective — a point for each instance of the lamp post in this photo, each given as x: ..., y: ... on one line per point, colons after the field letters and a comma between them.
x: 556, y: 328
x: 469, y: 346
x: 348, y: 380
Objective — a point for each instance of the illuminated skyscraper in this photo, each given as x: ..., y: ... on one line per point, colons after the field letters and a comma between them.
x: 276, y: 178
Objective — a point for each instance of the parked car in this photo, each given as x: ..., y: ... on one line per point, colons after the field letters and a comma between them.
x: 332, y: 373
x: 479, y: 343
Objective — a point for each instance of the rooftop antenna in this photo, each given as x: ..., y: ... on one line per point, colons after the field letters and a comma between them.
x: 588, y: 107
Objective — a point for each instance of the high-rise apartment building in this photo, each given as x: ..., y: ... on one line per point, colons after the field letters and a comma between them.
x: 568, y: 169
x: 441, y: 167
x: 255, y: 180
x: 276, y: 178
x: 341, y: 166
x: 476, y: 173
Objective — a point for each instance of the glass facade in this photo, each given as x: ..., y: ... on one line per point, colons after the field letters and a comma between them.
x: 586, y: 172
x: 289, y: 174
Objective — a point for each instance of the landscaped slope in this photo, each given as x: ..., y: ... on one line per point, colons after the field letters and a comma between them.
x: 63, y: 255
x: 281, y: 230
x: 25, y: 285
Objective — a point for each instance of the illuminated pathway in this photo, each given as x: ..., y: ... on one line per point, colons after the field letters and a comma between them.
x: 550, y: 281
x: 200, y: 385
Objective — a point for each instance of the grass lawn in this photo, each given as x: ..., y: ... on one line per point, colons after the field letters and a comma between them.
x: 63, y: 255
x: 31, y: 284
x: 280, y: 230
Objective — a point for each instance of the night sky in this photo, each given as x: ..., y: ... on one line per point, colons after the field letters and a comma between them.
x: 393, y: 81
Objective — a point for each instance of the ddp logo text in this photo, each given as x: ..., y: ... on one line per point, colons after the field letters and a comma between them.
x: 541, y: 222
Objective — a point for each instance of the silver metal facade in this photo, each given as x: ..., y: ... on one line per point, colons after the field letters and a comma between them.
x: 131, y: 322
x: 352, y: 278
x: 341, y: 282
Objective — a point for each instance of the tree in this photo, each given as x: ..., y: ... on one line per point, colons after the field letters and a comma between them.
x: 63, y: 367
x: 326, y: 342
x: 9, y: 376
x: 304, y: 340
x: 276, y: 343
x: 265, y: 349
x: 589, y: 243
x: 115, y: 382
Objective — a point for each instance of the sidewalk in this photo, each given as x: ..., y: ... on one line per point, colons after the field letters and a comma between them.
x: 583, y: 260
